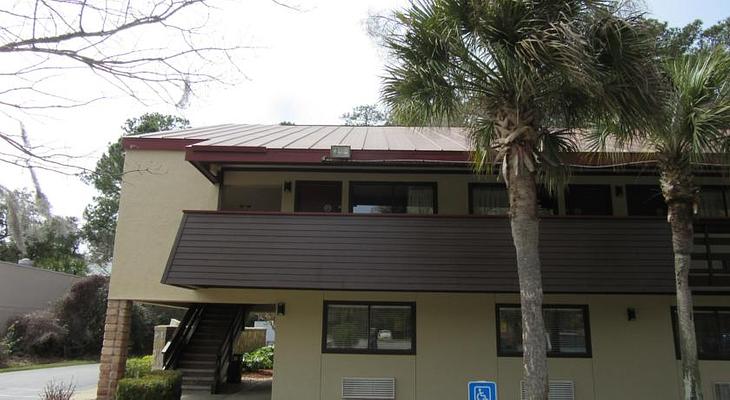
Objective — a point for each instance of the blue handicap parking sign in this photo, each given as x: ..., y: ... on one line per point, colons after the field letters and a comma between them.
x: 482, y: 390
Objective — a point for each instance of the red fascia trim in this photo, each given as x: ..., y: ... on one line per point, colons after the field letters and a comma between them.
x: 134, y: 143
x: 316, y: 156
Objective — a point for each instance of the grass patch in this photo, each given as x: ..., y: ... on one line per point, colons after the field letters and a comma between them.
x: 29, y: 367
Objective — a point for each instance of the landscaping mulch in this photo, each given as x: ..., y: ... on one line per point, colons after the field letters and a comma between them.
x: 260, y: 375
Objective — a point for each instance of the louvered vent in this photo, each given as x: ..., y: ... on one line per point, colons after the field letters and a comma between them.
x: 368, y: 388
x: 722, y: 391
x: 558, y: 390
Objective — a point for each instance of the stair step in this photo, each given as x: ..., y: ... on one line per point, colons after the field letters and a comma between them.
x: 198, y: 380
x: 197, y: 372
x: 196, y: 365
x: 195, y: 388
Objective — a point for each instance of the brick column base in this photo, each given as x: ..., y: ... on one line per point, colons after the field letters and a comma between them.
x: 114, y: 350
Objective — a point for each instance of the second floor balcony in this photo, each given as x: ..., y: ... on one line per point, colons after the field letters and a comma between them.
x: 387, y: 252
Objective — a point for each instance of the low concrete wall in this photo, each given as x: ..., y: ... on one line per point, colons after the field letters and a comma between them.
x: 25, y: 289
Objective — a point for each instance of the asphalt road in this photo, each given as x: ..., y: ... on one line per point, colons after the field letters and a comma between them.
x: 29, y: 384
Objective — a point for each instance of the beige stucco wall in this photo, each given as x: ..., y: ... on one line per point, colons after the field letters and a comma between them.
x: 157, y: 186
x: 26, y: 289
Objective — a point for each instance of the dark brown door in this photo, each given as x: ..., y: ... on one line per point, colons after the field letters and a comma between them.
x: 318, y: 196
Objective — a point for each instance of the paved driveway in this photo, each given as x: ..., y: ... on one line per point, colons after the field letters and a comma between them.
x: 29, y: 384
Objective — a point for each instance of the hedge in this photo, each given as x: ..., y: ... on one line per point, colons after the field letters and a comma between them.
x: 138, y: 367
x: 157, y: 385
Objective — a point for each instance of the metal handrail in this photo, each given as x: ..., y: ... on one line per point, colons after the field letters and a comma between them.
x: 224, y: 351
x: 173, y: 349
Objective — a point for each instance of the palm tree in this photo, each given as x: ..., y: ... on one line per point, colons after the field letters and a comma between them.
x: 513, y: 70
x: 691, y: 130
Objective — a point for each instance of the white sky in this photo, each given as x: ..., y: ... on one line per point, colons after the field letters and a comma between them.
x: 309, y: 67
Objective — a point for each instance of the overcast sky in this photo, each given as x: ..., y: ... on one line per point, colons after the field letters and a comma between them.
x: 308, y: 67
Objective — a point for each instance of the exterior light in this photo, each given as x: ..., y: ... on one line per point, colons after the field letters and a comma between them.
x: 340, y: 151
x: 281, y: 309
x: 631, y: 314
x: 287, y: 186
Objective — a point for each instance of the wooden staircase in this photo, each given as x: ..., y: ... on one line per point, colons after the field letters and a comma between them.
x: 204, y: 346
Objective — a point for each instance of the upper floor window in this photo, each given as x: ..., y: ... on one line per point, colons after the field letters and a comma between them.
x: 492, y: 199
x: 714, y: 201
x: 645, y: 200
x: 353, y: 327
x: 250, y: 198
x: 392, y: 198
x: 318, y: 196
x: 566, y: 326
x: 712, y: 327
x: 588, y: 200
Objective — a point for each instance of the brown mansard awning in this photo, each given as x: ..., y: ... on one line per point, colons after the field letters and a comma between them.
x: 416, y: 253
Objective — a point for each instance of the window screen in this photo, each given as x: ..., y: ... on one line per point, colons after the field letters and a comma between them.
x: 566, y: 328
x: 492, y: 199
x: 712, y: 327
x: 369, y: 328
x: 645, y: 200
x: 588, y: 200
x: 392, y: 198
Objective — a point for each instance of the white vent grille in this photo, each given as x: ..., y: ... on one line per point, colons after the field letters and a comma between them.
x: 558, y: 390
x: 368, y: 388
x: 722, y: 391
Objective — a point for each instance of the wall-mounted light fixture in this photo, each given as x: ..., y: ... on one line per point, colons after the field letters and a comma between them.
x: 631, y: 314
x: 287, y: 186
x: 340, y: 151
x: 280, y: 308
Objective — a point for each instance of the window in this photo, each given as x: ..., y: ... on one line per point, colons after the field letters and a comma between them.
x: 712, y: 327
x: 318, y: 196
x: 250, y: 198
x: 386, y: 328
x: 588, y: 200
x: 491, y: 199
x: 714, y: 201
x: 567, y: 333
x: 392, y: 198
x: 645, y: 200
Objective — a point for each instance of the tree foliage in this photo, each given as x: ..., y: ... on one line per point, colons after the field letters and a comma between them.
x: 51, y: 242
x: 101, y: 215
x: 366, y: 115
x: 674, y: 42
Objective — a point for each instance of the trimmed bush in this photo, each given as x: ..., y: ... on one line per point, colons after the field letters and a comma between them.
x: 261, y: 358
x: 157, y: 385
x: 138, y: 367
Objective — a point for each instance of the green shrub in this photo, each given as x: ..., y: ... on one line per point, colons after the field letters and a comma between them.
x: 157, y: 385
x: 138, y: 367
x: 261, y: 358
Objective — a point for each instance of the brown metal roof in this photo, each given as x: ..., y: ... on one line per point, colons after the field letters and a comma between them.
x: 322, y: 137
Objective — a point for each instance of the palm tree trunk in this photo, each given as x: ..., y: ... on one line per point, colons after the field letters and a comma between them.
x: 680, y: 219
x: 524, y: 223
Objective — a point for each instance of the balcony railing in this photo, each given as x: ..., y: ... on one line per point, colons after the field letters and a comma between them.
x: 430, y: 253
x: 711, y: 257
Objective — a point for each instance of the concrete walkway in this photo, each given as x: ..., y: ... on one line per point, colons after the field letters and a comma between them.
x: 29, y: 384
x: 249, y: 390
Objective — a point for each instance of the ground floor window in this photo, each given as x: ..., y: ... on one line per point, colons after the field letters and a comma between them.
x: 361, y: 327
x: 567, y: 330
x: 712, y: 327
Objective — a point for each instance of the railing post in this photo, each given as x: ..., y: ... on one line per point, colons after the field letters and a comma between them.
x: 708, y: 251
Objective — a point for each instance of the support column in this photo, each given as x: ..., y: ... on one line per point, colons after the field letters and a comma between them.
x: 114, y: 349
